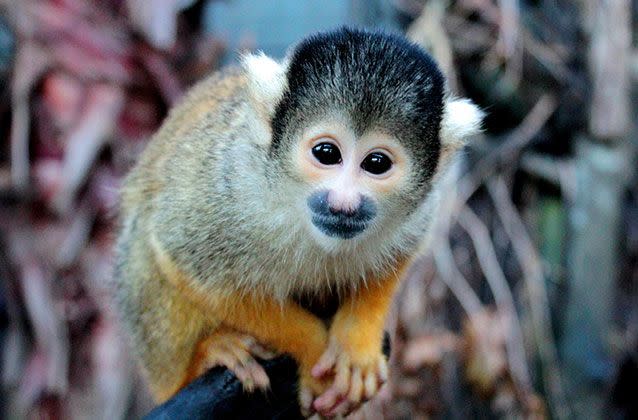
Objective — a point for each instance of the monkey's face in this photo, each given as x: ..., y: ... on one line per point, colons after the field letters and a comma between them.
x: 359, y: 128
x: 349, y: 180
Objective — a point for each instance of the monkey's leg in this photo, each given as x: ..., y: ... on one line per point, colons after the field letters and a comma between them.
x: 235, y: 351
x: 164, y: 325
x: 286, y: 328
x: 354, y: 350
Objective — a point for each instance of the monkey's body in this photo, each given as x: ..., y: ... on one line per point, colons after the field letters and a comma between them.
x: 212, y: 246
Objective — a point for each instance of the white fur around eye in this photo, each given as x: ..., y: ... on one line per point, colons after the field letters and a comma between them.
x: 461, y: 119
x: 267, y: 78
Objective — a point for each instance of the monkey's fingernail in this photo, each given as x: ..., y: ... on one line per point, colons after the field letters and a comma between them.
x: 305, y: 401
x: 262, y: 380
x: 343, y: 408
x: 248, y: 383
x: 305, y: 412
x: 319, y: 403
x: 318, y: 371
x: 267, y: 354
x: 326, y: 400
x: 383, y: 371
x: 332, y: 409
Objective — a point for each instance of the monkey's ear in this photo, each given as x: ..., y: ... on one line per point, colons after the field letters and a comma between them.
x: 266, y: 79
x: 461, y: 119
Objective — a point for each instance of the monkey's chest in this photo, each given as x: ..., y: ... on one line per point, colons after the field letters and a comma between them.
x: 325, y: 307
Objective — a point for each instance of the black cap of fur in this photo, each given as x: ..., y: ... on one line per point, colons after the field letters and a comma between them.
x: 379, y: 80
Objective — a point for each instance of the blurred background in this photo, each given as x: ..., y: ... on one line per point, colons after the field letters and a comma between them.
x: 527, y: 305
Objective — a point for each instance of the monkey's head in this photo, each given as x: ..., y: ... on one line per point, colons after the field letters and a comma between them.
x: 361, y: 125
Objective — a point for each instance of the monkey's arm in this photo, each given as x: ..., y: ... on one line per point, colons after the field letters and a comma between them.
x: 283, y: 326
x: 286, y: 328
x: 354, y: 346
x: 218, y: 394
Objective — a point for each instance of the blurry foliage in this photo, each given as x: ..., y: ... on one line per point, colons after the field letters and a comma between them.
x: 87, y: 91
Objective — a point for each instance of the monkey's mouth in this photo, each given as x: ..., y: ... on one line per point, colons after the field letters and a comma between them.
x: 339, y: 227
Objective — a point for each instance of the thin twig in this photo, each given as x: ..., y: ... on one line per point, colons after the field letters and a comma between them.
x: 454, y: 280
x: 507, y: 150
x: 467, y: 185
x: 428, y: 31
x: 559, y: 172
x: 86, y: 140
x: 548, y: 57
x: 484, y: 248
x: 30, y: 63
x: 77, y: 235
x: 509, y: 41
x: 444, y: 258
x: 535, y: 285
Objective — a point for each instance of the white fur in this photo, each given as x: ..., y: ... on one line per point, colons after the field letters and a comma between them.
x: 461, y: 119
x: 267, y: 78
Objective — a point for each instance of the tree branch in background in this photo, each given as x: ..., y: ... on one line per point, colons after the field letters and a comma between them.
x: 534, y: 281
x: 503, y: 297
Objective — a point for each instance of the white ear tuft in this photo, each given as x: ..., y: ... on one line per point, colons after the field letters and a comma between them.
x: 461, y: 119
x: 266, y: 77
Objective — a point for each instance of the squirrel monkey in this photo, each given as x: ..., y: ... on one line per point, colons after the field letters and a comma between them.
x: 278, y: 184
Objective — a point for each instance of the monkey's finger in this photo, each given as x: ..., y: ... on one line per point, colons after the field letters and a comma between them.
x: 305, y: 401
x: 240, y: 353
x: 224, y: 359
x: 248, y: 370
x: 327, y: 401
x: 247, y: 340
x: 382, y: 368
x: 343, y: 408
x: 343, y: 374
x: 325, y: 364
x: 262, y: 352
x: 371, y: 384
x: 356, y: 386
x: 338, y: 389
x: 331, y: 400
x: 258, y: 374
x: 250, y: 343
x: 244, y: 377
x: 243, y: 365
x: 255, y: 348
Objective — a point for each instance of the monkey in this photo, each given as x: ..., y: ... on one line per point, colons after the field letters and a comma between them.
x: 278, y: 187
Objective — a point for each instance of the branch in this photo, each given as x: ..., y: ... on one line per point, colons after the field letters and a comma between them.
x: 507, y: 150
x: 517, y: 360
x: 534, y: 281
x: 454, y: 279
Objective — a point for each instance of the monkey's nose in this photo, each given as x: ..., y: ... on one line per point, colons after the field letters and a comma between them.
x: 346, y: 211
x: 362, y: 211
x: 340, y: 221
x: 343, y: 203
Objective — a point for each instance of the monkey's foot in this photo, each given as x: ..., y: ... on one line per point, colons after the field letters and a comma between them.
x: 236, y: 352
x: 358, y: 377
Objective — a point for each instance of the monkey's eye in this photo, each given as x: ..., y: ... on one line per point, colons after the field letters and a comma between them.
x: 376, y: 163
x: 327, y: 153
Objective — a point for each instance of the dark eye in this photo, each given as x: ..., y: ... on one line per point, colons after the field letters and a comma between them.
x: 327, y: 153
x: 376, y: 163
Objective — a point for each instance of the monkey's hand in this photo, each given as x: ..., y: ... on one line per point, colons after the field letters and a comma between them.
x: 310, y: 388
x: 354, y: 352
x: 354, y: 356
x: 284, y: 327
x: 235, y: 351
